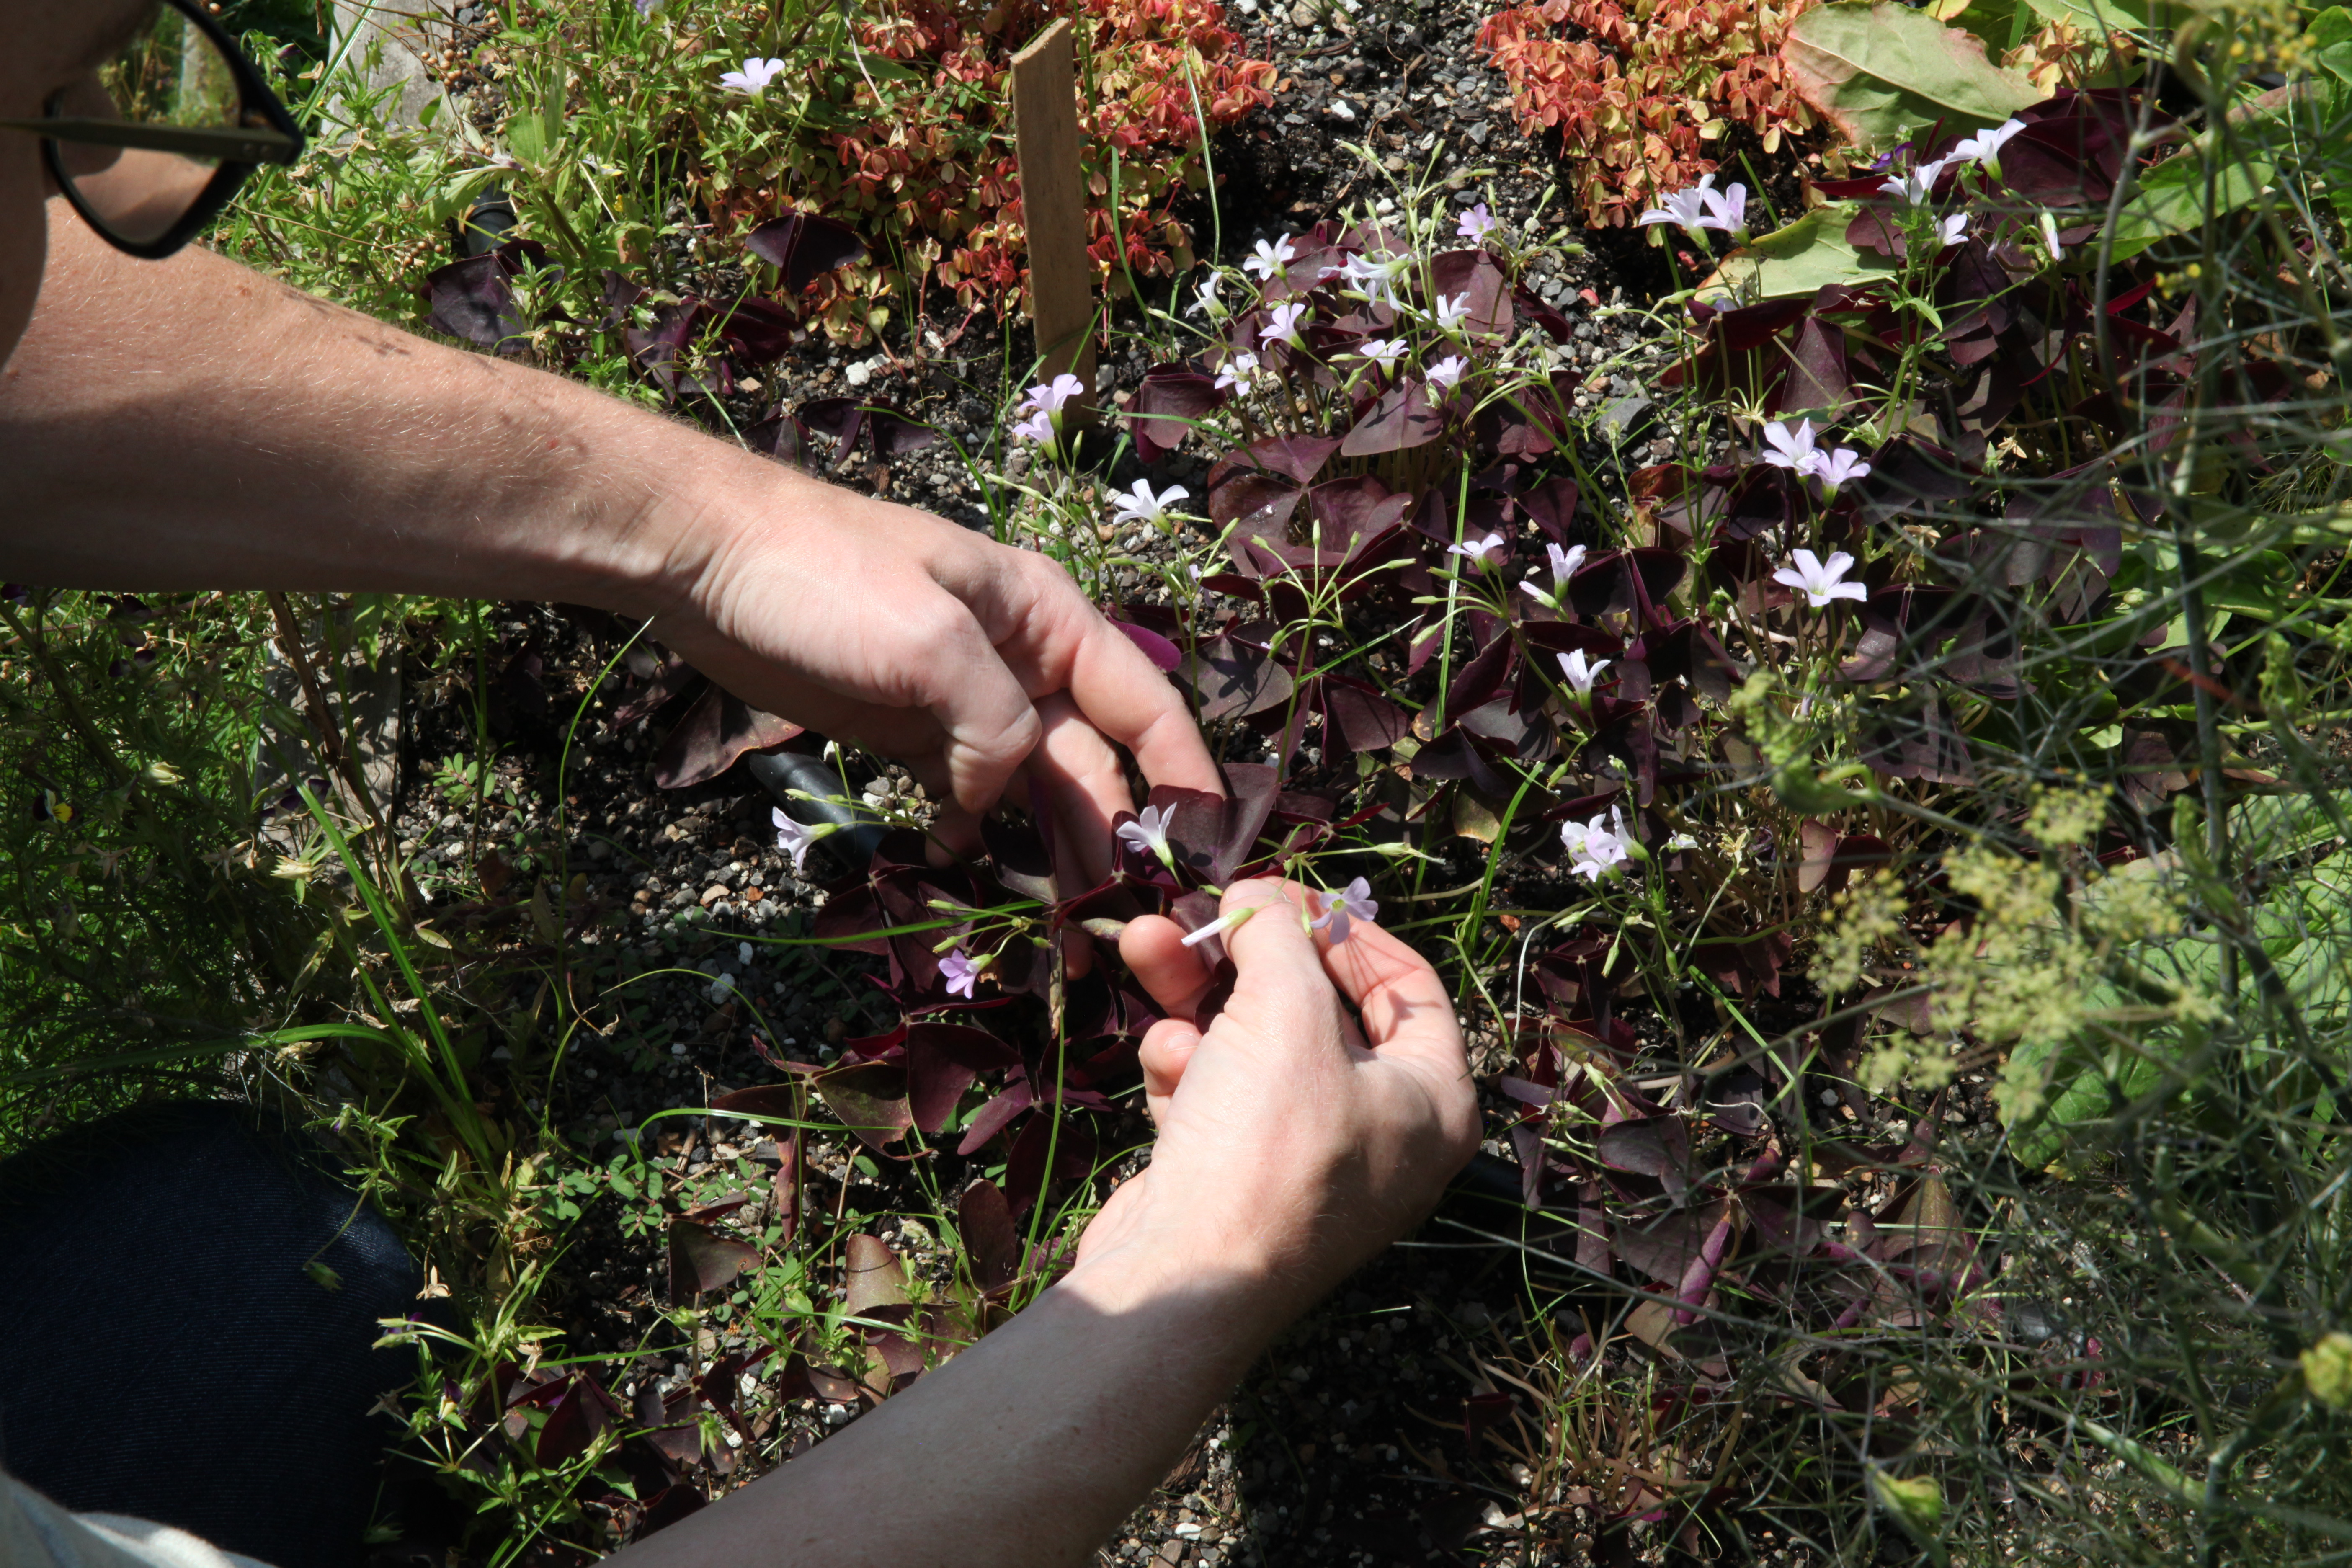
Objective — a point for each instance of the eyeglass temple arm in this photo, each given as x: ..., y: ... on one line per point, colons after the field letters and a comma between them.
x: 228, y: 144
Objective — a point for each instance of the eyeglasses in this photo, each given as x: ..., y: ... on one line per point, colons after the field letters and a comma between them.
x: 153, y: 146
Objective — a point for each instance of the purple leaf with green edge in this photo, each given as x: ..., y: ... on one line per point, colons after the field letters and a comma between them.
x: 1295, y: 458
x: 1571, y: 636
x: 758, y: 332
x: 672, y: 680
x: 656, y: 348
x: 1251, y: 788
x: 572, y: 1424
x: 2071, y: 151
x: 870, y: 1100
x: 701, y: 1260
x: 1551, y: 506
x: 1195, y: 820
x: 1163, y: 654
x: 1525, y: 735
x: 1665, y: 1247
x: 894, y: 435
x: 472, y: 299
x: 1261, y: 502
x: 1363, y: 719
x: 1165, y: 406
x: 1234, y: 679
x: 1237, y: 585
x: 942, y: 1061
x: 990, y: 1241
x: 781, y: 436
x: 805, y: 246
x: 1458, y: 755
x: 1698, y: 1279
x: 839, y: 419
x: 780, y: 1099
x: 1912, y: 477
x: 1023, y: 862
x: 1654, y: 1146
x: 718, y: 728
x: 1354, y: 512
x: 1478, y: 680
x: 620, y: 297
x: 992, y: 1119
x: 872, y: 1278
x: 1626, y: 580
x: 1476, y: 274
x: 1399, y: 419
x: 1071, y: 1147
x: 1688, y: 650
x: 1819, y: 380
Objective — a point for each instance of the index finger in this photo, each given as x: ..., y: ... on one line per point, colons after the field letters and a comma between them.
x: 1055, y: 640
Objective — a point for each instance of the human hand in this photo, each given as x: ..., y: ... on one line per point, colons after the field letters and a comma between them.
x: 968, y: 660
x: 1295, y: 1142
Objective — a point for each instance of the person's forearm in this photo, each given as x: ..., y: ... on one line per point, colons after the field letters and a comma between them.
x: 1025, y: 1451
x: 190, y: 423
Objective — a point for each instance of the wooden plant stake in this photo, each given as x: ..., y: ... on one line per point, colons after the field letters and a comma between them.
x: 1053, y: 207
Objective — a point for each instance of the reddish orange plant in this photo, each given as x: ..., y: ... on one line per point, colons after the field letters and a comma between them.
x: 1642, y: 91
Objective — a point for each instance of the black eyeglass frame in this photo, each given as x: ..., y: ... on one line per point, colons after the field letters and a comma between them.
x: 241, y: 148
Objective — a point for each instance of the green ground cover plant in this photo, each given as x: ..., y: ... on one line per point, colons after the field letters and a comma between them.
x: 1954, y: 716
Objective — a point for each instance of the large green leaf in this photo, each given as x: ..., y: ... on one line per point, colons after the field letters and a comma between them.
x: 1879, y: 72
x: 2173, y: 197
x: 2095, y: 17
x: 1795, y: 260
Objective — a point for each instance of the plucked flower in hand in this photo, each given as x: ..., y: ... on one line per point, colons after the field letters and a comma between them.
x: 1140, y: 505
x: 1352, y: 902
x: 1148, y: 834
x: 1792, y: 449
x: 962, y: 974
x: 1820, y: 580
x: 1477, y: 225
x: 1270, y: 259
x: 1481, y: 553
x: 753, y: 79
x: 1282, y: 326
x: 1581, y: 673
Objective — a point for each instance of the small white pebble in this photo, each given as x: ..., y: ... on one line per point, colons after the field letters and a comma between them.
x: 678, y: 1049
x: 1829, y: 1097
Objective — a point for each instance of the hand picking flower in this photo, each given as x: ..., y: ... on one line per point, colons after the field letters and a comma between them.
x: 1140, y: 505
x: 1818, y: 580
x: 795, y: 838
x: 1270, y: 259
x: 1581, y: 674
x: 962, y: 974
x: 1352, y: 902
x: 753, y: 79
x: 1477, y: 225
x: 1148, y: 834
x: 1282, y: 326
x: 1481, y: 553
x: 1792, y: 449
x: 1447, y: 373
